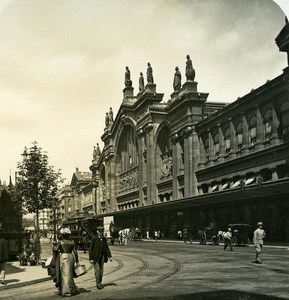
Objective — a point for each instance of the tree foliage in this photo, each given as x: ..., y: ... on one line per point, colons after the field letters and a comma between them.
x: 36, y: 181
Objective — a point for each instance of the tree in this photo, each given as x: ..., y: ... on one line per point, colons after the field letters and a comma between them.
x: 37, y: 184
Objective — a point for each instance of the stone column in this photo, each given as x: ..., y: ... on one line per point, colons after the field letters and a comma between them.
x: 222, y: 151
x: 211, y: 148
x: 151, y: 168
x: 140, y: 165
x: 196, y: 159
x: 245, y: 135
x: 259, y: 131
x: 233, y: 139
x: 188, y: 162
x: 202, y: 154
x: 175, y: 169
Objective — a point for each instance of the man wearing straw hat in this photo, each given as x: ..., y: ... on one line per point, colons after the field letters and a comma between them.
x: 259, y: 235
x: 99, y: 254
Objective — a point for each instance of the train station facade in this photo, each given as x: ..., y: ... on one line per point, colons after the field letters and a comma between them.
x: 190, y: 163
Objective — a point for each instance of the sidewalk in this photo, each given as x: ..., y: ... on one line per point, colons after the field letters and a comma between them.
x: 17, y: 276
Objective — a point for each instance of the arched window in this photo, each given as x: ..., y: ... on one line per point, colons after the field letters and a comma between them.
x: 239, y: 133
x: 268, y: 123
x: 252, y: 131
x: 227, y: 137
x: 216, y: 145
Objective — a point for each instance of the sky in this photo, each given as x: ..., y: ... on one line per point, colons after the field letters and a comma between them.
x: 62, y: 64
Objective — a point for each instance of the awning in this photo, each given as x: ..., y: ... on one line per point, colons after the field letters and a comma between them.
x: 237, y: 183
x: 214, y: 188
x: 226, y: 185
x: 250, y: 180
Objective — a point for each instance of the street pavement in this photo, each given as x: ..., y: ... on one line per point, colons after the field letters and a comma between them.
x: 167, y: 270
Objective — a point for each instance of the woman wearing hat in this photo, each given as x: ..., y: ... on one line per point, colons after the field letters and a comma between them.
x: 66, y: 258
x: 259, y: 235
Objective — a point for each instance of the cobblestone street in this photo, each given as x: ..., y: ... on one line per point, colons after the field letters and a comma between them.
x: 172, y: 270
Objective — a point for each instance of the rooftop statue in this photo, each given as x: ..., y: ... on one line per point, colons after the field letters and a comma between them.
x: 141, y: 82
x: 110, y: 115
x: 190, y: 72
x: 127, y: 81
x: 106, y: 120
x: 177, y: 80
x: 150, y: 78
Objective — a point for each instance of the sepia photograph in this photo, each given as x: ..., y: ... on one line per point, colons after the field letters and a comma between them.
x: 144, y: 149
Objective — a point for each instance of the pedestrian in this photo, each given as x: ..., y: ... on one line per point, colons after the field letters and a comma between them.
x: 99, y: 254
x: 228, y: 239
x: 156, y: 235
x: 120, y: 239
x: 3, y: 258
x: 259, y: 235
x: 186, y: 236
x: 66, y: 259
x: 84, y: 241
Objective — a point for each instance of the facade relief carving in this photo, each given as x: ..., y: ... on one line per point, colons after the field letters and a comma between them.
x: 129, y: 180
x: 166, y: 165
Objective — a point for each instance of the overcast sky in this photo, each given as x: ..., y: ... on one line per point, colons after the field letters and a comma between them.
x: 62, y: 63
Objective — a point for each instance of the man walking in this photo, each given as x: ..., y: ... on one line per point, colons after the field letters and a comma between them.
x: 3, y: 258
x: 228, y: 239
x: 259, y: 235
x: 99, y: 254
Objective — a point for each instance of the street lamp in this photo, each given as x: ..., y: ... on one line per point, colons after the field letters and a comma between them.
x: 95, y: 186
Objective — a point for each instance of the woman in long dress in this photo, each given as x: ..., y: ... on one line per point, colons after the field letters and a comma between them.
x: 66, y: 258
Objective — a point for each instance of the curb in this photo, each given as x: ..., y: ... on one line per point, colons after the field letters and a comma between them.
x: 20, y: 284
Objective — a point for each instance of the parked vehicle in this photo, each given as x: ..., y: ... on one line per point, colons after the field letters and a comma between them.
x: 241, y: 234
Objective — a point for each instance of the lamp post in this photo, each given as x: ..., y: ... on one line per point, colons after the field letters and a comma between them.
x: 95, y: 186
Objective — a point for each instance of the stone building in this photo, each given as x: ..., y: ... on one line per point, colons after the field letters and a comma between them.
x: 189, y: 163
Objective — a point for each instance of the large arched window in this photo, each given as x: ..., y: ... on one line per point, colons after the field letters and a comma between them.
x: 227, y: 137
x: 216, y: 146
x: 268, y: 123
x: 127, y: 149
x: 239, y: 133
x: 252, y: 131
x: 164, y: 153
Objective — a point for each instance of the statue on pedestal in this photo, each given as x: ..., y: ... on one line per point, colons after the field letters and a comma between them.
x: 141, y: 82
x: 177, y: 80
x: 190, y: 72
x: 150, y: 78
x: 96, y: 152
x: 127, y: 81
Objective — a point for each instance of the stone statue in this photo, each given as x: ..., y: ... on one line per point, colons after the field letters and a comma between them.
x: 141, y: 82
x: 177, y: 80
x: 190, y: 72
x: 150, y: 78
x: 110, y: 115
x: 106, y: 120
x: 127, y: 81
x: 98, y: 152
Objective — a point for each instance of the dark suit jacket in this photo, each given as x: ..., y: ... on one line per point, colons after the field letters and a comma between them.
x: 99, y: 248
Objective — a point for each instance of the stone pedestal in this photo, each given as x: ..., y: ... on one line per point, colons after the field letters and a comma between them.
x: 150, y: 88
x: 128, y: 92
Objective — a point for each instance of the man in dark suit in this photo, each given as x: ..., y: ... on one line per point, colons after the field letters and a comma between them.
x: 99, y: 254
x: 4, y: 255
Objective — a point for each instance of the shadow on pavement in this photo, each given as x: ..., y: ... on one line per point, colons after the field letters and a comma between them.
x: 12, y: 269
x: 217, y: 295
